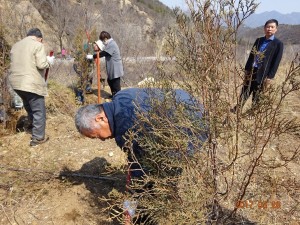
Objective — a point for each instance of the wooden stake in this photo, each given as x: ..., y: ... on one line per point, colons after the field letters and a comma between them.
x: 98, y: 77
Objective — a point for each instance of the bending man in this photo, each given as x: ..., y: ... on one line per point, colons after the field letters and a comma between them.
x: 114, y: 119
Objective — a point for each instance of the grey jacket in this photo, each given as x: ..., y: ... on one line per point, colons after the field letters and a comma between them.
x: 28, y: 61
x: 114, y: 65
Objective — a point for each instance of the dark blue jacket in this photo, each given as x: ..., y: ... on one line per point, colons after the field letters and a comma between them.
x: 271, y: 60
x: 121, y: 111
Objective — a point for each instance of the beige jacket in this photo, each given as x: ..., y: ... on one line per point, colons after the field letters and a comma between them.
x: 28, y: 62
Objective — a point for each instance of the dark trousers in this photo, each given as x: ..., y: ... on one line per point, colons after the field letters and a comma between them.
x: 35, y: 107
x: 115, y: 85
x: 251, y: 86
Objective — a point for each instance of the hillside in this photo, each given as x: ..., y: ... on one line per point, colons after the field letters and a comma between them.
x: 134, y: 24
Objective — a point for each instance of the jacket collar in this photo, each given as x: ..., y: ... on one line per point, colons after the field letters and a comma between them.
x: 109, y: 110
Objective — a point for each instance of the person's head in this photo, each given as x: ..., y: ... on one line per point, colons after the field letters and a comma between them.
x: 104, y: 36
x: 270, y: 27
x: 36, y: 32
x: 91, y: 121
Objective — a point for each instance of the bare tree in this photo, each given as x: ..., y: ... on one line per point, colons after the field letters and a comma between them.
x: 235, y: 169
x: 62, y: 14
x: 4, y: 64
x: 25, y: 17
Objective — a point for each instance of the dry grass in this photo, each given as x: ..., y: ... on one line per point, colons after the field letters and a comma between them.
x: 31, y: 193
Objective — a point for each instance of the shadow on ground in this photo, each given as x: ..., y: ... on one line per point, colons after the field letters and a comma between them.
x: 96, y: 178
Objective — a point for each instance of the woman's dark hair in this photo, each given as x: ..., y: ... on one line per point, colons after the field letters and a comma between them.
x: 272, y: 21
x: 104, y: 35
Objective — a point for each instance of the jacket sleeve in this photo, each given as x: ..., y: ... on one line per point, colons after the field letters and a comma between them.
x: 275, y: 60
x: 250, y: 61
x: 41, y: 58
x: 102, y: 54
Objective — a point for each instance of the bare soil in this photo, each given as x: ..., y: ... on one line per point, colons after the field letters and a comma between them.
x: 60, y: 181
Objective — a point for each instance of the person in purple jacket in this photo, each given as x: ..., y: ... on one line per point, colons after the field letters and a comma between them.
x: 113, y: 119
x: 262, y: 65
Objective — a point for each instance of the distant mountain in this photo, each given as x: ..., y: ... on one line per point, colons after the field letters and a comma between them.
x: 256, y: 20
x: 288, y: 34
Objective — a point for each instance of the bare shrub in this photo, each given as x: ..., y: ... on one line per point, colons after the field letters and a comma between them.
x: 241, y: 170
x: 5, y: 96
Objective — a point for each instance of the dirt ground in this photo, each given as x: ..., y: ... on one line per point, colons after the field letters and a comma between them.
x: 60, y: 181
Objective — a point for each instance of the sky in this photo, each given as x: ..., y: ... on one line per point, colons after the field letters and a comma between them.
x: 282, y: 6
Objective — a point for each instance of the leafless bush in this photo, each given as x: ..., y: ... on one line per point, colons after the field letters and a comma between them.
x: 241, y: 169
x: 5, y: 97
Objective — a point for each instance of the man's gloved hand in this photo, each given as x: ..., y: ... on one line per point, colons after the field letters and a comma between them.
x: 89, y: 56
x: 50, y: 60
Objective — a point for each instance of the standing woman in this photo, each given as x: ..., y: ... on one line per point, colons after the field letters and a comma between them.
x: 114, y: 65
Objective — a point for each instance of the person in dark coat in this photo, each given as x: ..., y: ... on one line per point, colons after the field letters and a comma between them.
x: 262, y: 64
x: 113, y: 119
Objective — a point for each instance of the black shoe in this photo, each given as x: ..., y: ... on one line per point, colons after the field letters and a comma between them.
x: 35, y: 142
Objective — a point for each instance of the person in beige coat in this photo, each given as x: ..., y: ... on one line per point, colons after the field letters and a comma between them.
x: 27, y: 78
